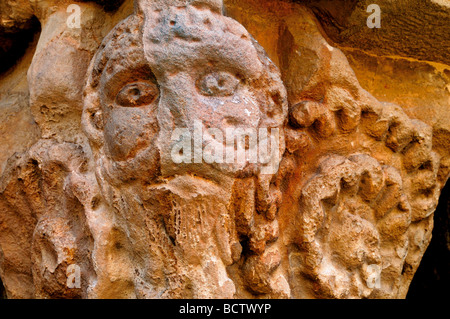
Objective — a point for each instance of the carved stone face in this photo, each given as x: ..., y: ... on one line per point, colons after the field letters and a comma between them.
x: 176, y: 68
x: 181, y: 68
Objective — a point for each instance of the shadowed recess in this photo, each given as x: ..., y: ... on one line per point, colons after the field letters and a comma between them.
x: 13, y: 43
x: 432, y: 278
x: 2, y: 290
x: 108, y: 5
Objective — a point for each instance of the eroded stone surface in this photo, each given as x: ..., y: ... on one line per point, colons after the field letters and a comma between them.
x: 347, y: 212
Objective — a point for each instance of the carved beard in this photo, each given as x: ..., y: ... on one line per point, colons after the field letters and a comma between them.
x: 180, y: 236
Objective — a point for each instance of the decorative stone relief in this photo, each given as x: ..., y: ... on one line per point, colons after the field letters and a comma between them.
x: 142, y: 191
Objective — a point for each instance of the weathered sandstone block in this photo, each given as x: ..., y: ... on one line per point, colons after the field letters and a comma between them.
x: 126, y: 180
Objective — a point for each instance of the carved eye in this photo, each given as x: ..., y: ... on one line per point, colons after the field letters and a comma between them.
x: 218, y: 84
x: 137, y: 94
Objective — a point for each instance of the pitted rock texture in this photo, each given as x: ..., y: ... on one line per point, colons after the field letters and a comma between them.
x: 342, y: 208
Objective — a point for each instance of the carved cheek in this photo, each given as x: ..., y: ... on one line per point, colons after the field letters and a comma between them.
x: 239, y: 110
x: 225, y: 101
x: 129, y: 130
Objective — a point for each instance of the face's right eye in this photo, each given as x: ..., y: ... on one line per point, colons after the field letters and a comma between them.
x: 137, y: 94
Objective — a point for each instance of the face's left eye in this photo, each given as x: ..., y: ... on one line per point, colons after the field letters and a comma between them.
x: 137, y: 94
x: 218, y: 84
